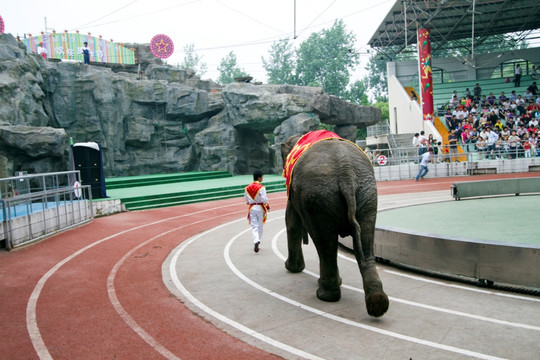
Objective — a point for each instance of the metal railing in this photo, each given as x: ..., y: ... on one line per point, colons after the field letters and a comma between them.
x: 35, y: 206
x: 403, y: 163
x: 382, y: 129
x: 378, y: 129
x: 24, y: 183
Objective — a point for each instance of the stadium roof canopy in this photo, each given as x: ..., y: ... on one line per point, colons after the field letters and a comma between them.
x: 454, y: 20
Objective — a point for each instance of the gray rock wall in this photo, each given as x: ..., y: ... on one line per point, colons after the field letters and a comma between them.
x: 152, y: 118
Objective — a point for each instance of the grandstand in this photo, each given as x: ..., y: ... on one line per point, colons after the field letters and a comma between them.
x: 443, y: 92
x: 452, y: 21
x: 406, y: 118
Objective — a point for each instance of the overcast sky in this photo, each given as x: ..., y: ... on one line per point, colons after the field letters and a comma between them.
x: 215, y: 27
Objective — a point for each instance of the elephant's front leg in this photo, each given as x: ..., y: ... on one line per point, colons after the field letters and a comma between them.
x: 329, y: 280
x: 295, y: 230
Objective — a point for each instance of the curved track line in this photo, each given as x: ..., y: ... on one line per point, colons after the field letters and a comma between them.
x: 395, y: 335
x: 31, y: 321
x: 413, y: 303
x: 180, y: 287
x: 250, y: 332
x: 118, y: 306
x: 31, y: 317
x: 461, y: 287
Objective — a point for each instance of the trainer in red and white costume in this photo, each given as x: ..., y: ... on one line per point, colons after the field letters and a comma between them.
x: 255, y: 196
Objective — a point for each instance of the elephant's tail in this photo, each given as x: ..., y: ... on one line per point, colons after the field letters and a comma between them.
x: 350, y: 199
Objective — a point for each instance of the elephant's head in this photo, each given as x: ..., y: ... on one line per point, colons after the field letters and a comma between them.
x: 287, y: 146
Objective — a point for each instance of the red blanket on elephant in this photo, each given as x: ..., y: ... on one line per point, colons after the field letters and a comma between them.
x: 301, y: 146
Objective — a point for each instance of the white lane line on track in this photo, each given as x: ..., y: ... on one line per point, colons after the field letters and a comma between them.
x: 455, y: 286
x: 31, y: 320
x: 430, y: 307
x: 414, y: 184
x: 180, y: 287
x: 31, y: 317
x: 118, y: 306
x: 340, y: 319
x: 461, y: 287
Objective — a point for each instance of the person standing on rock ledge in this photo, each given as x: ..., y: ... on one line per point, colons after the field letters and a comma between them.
x: 255, y: 196
x: 86, y: 53
x: 42, y: 51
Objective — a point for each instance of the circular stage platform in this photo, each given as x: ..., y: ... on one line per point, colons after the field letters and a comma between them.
x: 491, y: 239
x: 505, y: 219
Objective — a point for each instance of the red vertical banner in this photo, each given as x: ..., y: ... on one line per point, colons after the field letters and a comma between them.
x: 426, y: 78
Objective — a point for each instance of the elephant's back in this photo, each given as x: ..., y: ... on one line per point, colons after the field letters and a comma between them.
x: 326, y: 164
x: 328, y: 157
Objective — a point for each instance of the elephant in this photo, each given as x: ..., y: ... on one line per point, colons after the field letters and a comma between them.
x: 332, y: 191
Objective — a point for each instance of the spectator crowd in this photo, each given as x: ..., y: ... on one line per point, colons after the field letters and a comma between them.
x: 503, y: 127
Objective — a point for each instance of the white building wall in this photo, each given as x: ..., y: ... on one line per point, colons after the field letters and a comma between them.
x: 406, y: 114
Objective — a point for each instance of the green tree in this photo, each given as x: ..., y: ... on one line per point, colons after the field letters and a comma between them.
x: 375, y: 80
x: 228, y: 69
x: 281, y: 63
x: 193, y: 61
x: 326, y: 58
x: 357, y: 93
x: 385, y: 110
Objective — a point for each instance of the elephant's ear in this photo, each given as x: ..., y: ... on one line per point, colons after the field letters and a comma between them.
x: 287, y: 146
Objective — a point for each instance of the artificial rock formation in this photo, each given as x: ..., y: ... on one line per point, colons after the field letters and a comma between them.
x: 152, y: 118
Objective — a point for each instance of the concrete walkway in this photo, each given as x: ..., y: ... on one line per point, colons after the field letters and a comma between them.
x: 253, y: 297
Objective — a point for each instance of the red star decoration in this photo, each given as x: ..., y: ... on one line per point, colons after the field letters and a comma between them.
x: 160, y: 44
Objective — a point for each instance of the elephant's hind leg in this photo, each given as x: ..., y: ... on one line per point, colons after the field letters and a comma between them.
x: 329, y: 280
x: 376, y: 300
x: 295, y: 230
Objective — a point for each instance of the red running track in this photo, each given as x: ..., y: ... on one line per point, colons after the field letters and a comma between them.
x: 96, y: 291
